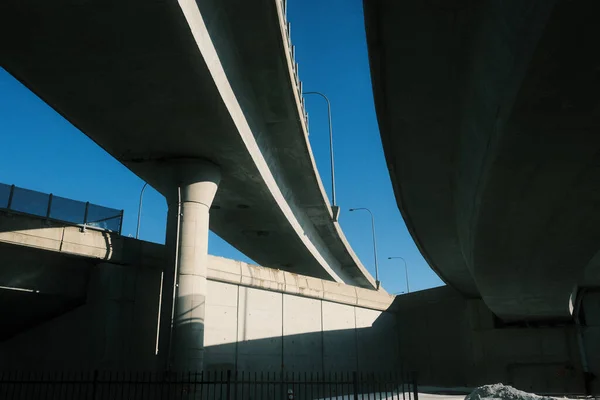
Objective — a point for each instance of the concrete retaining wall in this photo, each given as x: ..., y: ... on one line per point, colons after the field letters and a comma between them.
x: 254, y: 329
x: 257, y: 319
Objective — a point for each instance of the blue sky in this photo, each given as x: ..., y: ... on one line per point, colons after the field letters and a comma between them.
x: 42, y: 151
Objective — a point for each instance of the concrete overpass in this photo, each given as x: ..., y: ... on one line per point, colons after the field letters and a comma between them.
x: 186, y: 80
x: 191, y: 96
x: 490, y: 118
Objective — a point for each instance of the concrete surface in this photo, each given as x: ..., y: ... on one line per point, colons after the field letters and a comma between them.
x: 247, y: 329
x: 256, y: 318
x: 489, y: 118
x: 261, y: 318
x: 456, y: 342
x: 302, y: 352
x: 190, y: 186
x: 196, y: 79
x: 58, y: 282
x: 115, y: 327
x: 27, y: 231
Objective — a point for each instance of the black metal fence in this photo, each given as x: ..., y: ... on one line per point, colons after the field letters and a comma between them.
x: 60, y: 208
x: 223, y: 385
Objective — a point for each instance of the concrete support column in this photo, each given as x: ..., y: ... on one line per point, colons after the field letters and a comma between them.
x: 189, y: 198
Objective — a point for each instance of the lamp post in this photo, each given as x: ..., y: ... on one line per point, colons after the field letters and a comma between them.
x: 405, y: 270
x: 137, y: 231
x: 334, y: 207
x: 374, y: 243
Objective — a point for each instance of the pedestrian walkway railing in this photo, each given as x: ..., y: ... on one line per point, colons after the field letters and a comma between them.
x: 61, y: 209
x: 221, y: 385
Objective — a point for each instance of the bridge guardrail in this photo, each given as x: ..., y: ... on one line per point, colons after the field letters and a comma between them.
x: 61, y: 209
x: 287, y: 26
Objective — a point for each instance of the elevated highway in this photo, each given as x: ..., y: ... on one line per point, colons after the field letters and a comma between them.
x: 202, y: 100
x: 153, y: 82
x: 490, y: 121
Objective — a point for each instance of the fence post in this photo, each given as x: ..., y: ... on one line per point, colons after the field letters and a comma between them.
x: 10, y: 196
x: 95, y: 384
x: 85, y: 215
x: 355, y: 384
x: 121, y: 222
x: 49, y: 205
x: 228, y: 384
x: 415, y: 386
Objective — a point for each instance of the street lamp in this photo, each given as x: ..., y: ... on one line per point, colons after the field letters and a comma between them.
x: 374, y: 243
x: 334, y: 208
x: 137, y: 231
x: 405, y: 270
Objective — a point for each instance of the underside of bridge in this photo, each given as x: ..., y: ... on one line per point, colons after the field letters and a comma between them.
x: 490, y: 120
x: 155, y: 82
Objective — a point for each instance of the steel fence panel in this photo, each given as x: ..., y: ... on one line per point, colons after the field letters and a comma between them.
x: 4, y: 195
x: 104, y: 218
x: 30, y: 202
x: 58, y: 208
x: 67, y: 210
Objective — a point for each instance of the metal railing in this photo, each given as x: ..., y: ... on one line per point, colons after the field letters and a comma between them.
x: 223, y: 385
x: 287, y: 26
x: 61, y: 209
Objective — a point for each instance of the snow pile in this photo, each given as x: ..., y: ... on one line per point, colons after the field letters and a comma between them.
x: 500, y: 392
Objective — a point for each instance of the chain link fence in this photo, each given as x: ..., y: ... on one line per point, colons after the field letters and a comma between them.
x: 61, y: 209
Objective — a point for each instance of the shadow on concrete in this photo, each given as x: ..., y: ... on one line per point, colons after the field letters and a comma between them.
x: 115, y: 329
x: 73, y: 313
x: 453, y: 341
x: 22, y: 311
x: 292, y: 353
x: 449, y: 340
x: 38, y: 285
x: 343, y: 350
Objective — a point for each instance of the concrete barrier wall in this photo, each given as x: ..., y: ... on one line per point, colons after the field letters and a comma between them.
x: 253, y: 329
x: 257, y: 326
